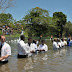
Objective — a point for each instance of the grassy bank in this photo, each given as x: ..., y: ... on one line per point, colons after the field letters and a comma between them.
x: 17, y: 35
x: 26, y: 35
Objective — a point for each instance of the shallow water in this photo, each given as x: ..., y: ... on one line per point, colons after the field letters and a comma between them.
x: 52, y: 61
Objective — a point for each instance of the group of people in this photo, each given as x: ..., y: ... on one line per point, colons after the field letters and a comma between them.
x: 24, y: 49
x: 59, y: 43
x: 27, y: 49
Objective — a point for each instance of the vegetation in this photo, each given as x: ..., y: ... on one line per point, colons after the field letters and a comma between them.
x: 6, y: 19
x: 60, y: 21
x: 38, y: 22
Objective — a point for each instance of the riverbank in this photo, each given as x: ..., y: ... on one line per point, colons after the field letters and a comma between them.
x: 26, y: 35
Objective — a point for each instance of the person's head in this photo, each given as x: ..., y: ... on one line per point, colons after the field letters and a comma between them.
x: 34, y: 41
x: 30, y: 40
x: 3, y: 38
x: 55, y: 39
x: 22, y: 37
x: 51, y: 36
x: 58, y: 40
x: 62, y: 39
x: 42, y: 41
x: 69, y: 35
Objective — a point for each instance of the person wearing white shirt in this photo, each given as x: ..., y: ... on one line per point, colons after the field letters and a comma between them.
x: 22, y: 51
x: 55, y: 45
x: 5, y: 50
x: 30, y: 47
x: 42, y: 46
x: 65, y: 43
x: 35, y: 45
x: 37, y: 42
x: 59, y: 43
x: 62, y: 42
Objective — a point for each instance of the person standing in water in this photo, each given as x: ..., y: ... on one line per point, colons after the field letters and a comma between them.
x: 30, y: 46
x: 55, y: 45
x: 42, y: 46
x: 22, y: 51
x: 5, y: 50
x: 35, y: 45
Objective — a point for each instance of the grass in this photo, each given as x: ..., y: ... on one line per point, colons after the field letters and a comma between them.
x: 17, y: 35
x: 25, y: 33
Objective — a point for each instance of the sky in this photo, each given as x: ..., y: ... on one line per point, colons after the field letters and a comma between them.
x: 21, y: 7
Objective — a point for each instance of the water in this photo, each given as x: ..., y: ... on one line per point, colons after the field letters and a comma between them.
x: 52, y: 61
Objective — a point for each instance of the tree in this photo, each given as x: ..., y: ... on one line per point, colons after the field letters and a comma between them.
x: 68, y: 29
x: 20, y: 24
x: 5, y: 19
x: 5, y: 4
x: 37, y: 19
x: 60, y: 21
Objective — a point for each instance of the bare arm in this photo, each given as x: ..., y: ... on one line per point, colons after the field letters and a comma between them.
x: 4, y: 57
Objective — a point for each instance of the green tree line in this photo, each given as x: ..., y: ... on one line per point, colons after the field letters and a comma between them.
x: 37, y: 22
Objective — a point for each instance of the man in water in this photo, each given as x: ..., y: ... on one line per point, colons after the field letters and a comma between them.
x: 43, y: 46
x: 35, y: 45
x: 22, y: 51
x: 30, y: 46
x: 55, y: 45
x: 5, y: 50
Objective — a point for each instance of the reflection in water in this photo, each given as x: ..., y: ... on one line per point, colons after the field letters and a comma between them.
x: 4, y: 68
x: 51, y: 61
x: 68, y: 51
x: 24, y: 64
x: 60, y: 52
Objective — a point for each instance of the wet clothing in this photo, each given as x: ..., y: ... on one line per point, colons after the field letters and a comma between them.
x: 55, y: 45
x: 62, y: 44
x: 4, y: 62
x: 59, y: 43
x: 22, y: 51
x: 30, y: 47
x: 5, y: 50
x: 35, y: 47
x: 22, y: 56
x: 43, y: 47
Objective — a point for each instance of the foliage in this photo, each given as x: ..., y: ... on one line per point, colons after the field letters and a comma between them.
x: 0, y: 32
x: 5, y: 19
x: 38, y: 22
x: 60, y: 21
x: 37, y: 19
x: 68, y: 29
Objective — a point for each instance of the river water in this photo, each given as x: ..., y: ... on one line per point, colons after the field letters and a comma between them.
x: 51, y: 61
